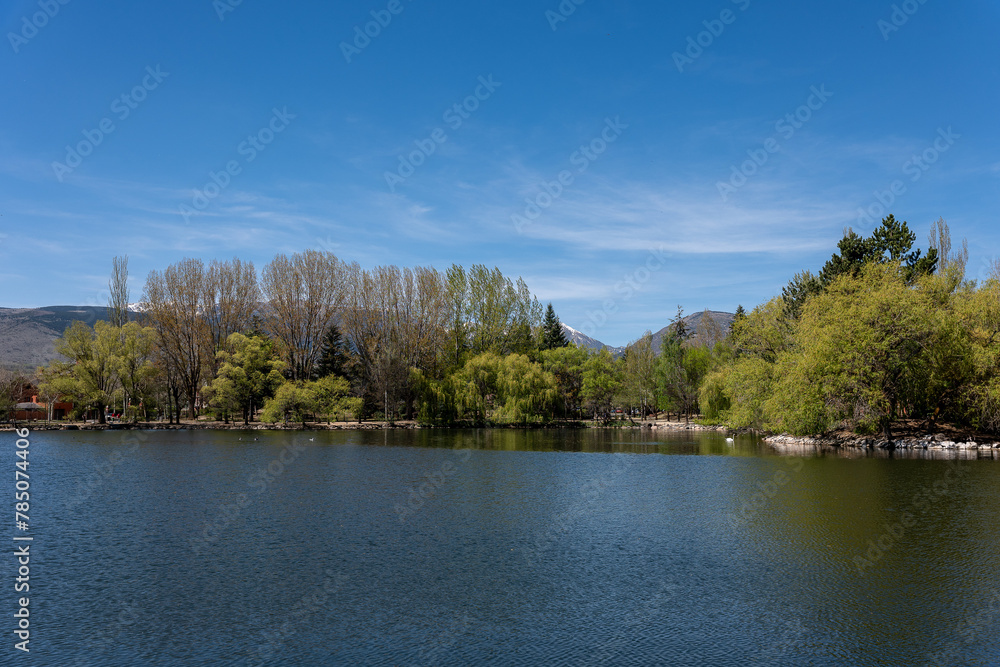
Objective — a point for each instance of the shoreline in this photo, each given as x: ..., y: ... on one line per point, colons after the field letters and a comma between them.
x: 664, y: 425
x: 932, y: 442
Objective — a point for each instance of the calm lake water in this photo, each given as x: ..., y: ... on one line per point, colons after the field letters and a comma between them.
x: 500, y: 548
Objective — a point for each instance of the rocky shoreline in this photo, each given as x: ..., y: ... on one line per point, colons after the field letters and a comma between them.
x: 936, y: 442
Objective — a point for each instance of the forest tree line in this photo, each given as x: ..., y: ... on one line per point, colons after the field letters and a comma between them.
x: 884, y: 331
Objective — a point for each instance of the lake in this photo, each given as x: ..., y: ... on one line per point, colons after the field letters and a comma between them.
x: 438, y: 547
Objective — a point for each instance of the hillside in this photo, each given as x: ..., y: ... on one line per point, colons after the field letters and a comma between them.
x: 27, y: 335
x: 696, y: 324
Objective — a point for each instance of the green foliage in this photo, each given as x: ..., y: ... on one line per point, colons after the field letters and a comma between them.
x: 883, y: 332
x: 528, y: 393
x: 765, y: 333
x: 680, y: 370
x: 292, y: 401
x: 861, y: 342
x: 331, y: 397
x: 552, y: 332
x: 746, y: 385
x: 602, y: 382
x: 639, y: 387
x: 334, y: 358
x: 890, y: 243
x: 90, y: 379
x: 249, y: 373
x: 566, y: 366
x: 489, y: 389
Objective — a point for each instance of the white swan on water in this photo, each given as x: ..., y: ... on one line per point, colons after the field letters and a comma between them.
x: 729, y: 440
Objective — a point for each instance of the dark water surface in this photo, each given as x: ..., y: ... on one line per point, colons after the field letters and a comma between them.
x: 499, y: 548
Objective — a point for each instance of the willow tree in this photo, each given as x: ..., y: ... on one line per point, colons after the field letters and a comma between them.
x: 527, y: 392
x: 90, y: 377
x: 249, y: 374
x: 862, y: 341
x: 639, y: 384
x: 602, y: 382
x: 502, y: 315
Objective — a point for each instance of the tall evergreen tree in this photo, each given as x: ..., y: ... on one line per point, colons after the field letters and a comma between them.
x: 333, y: 358
x: 678, y: 326
x: 552, y: 332
x: 892, y: 241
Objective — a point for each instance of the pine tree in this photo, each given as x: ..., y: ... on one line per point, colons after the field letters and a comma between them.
x: 333, y: 359
x: 741, y: 314
x: 552, y: 331
x: 679, y: 326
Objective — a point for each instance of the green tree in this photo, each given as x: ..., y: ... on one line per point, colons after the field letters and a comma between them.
x: 862, y: 341
x: 476, y: 386
x: 566, y: 365
x: 249, y: 373
x: 331, y: 396
x: 602, y: 382
x: 293, y: 400
x: 334, y: 358
x: 91, y: 377
x: 527, y: 392
x: 740, y: 315
x: 134, y: 365
x: 552, y: 331
x: 639, y: 386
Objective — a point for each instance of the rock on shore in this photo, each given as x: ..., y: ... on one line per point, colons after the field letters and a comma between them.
x: 929, y: 442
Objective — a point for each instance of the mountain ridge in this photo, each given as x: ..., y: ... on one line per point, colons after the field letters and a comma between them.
x: 28, y: 335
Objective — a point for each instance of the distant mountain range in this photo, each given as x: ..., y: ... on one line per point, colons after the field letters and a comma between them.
x: 27, y: 335
x: 718, y: 323
x: 583, y: 340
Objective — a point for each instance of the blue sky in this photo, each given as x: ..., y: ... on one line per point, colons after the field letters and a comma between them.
x: 641, y: 137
